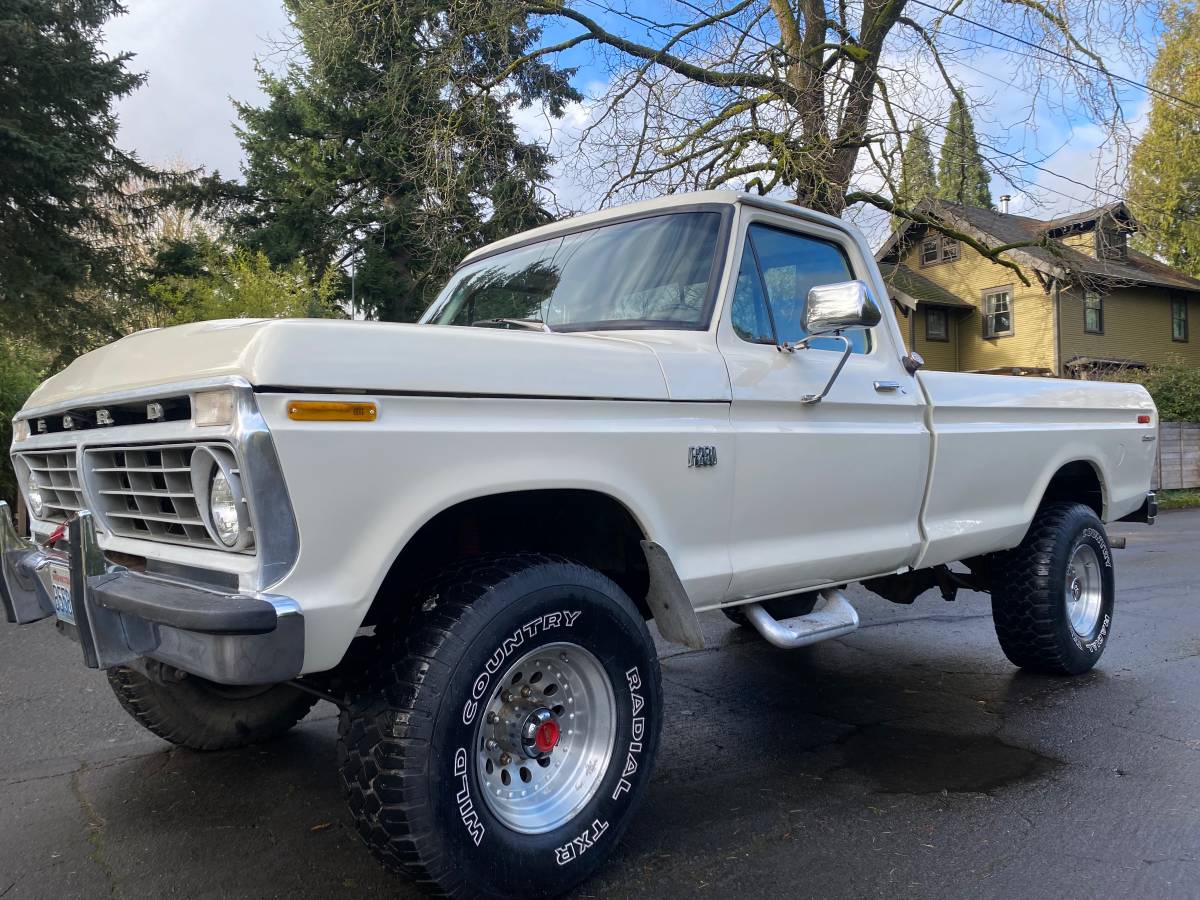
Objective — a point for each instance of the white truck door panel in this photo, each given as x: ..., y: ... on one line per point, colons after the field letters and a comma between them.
x: 829, y: 491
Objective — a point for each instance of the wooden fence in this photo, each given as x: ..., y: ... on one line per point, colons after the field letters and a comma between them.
x: 1178, y: 463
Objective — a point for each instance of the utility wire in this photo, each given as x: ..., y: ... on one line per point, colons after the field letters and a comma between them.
x: 1166, y: 95
x: 938, y: 124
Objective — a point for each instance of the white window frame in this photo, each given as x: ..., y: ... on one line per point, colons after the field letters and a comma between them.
x: 931, y: 243
x: 951, y: 249
x: 990, y: 312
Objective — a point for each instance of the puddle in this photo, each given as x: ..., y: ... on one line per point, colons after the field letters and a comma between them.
x: 909, y: 761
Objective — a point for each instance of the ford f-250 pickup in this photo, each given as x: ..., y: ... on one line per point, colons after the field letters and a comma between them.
x: 459, y: 534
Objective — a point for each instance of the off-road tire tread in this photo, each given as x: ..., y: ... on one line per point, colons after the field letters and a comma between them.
x: 406, y: 686
x: 145, y: 703
x: 1025, y: 597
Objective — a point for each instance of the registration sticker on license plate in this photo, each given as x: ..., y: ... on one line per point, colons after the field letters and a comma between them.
x: 60, y: 583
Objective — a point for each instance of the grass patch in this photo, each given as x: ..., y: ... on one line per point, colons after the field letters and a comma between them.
x: 1185, y: 499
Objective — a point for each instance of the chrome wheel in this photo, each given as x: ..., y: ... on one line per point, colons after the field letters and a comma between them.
x: 1084, y: 591
x: 545, y: 738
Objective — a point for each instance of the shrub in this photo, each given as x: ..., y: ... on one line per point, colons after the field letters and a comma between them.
x: 21, y: 370
x: 1175, y: 387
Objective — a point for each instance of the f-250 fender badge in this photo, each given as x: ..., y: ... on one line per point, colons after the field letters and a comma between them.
x: 699, y: 457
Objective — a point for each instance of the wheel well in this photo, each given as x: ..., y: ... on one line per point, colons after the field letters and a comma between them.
x: 588, y: 526
x: 1078, y: 482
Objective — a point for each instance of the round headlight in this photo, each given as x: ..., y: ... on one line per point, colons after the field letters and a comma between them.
x: 223, y: 507
x: 33, y: 494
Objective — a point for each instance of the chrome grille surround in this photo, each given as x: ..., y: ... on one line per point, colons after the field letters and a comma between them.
x: 57, y: 475
x: 276, y: 538
x: 146, y: 491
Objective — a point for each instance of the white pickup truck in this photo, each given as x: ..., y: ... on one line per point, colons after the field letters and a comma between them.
x: 459, y: 534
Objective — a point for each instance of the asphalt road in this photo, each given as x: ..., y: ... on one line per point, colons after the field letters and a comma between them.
x: 906, y: 760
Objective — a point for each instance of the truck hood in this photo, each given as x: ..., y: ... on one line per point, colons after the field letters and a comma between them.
x: 368, y: 357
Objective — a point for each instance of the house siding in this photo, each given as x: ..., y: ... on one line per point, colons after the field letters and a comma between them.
x: 941, y: 356
x: 1032, y: 343
x: 1137, y: 326
x: 1084, y: 242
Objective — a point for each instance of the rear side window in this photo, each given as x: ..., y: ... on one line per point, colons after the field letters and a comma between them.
x: 791, y: 265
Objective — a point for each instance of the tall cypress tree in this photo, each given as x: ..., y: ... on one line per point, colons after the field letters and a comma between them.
x: 61, y: 172
x: 962, y: 176
x: 1164, y: 186
x: 917, y: 180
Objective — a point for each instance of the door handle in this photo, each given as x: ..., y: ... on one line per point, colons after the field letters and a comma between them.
x: 887, y: 387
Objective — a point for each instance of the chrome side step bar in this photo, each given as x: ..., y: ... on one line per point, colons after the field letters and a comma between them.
x: 834, y: 618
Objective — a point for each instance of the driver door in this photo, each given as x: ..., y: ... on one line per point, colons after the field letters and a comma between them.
x: 825, y: 492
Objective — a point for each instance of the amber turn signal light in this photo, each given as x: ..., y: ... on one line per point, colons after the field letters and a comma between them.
x: 331, y: 411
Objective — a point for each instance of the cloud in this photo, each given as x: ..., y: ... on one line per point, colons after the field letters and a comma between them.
x: 198, y: 54
x: 561, y: 136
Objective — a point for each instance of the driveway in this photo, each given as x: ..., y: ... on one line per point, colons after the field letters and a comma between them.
x: 906, y: 760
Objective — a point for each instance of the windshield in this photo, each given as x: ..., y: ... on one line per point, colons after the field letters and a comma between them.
x: 645, y: 273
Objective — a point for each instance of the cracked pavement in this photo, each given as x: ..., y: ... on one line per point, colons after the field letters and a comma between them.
x: 908, y: 759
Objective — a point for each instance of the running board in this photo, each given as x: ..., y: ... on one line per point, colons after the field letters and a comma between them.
x: 835, y: 618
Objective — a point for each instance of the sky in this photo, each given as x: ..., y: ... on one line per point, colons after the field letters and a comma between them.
x: 200, y: 55
x: 197, y: 54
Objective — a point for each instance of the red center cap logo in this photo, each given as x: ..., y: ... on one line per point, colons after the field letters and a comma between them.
x: 546, y: 737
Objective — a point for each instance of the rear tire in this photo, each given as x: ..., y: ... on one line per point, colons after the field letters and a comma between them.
x: 434, y: 754
x: 1052, y: 596
x: 202, y: 715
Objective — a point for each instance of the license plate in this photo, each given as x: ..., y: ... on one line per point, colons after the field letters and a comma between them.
x: 60, y: 583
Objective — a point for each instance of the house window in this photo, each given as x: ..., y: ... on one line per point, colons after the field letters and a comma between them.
x: 997, y: 312
x: 1179, y: 322
x: 929, y: 251
x: 937, y: 326
x: 937, y: 248
x: 1093, y: 313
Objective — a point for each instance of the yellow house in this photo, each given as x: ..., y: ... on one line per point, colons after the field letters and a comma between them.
x: 1090, y: 302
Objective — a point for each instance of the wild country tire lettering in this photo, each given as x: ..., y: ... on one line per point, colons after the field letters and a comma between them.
x: 634, y: 677
x: 506, y: 649
x: 466, y: 807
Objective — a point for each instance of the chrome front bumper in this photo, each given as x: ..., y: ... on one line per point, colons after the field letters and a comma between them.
x: 122, y: 616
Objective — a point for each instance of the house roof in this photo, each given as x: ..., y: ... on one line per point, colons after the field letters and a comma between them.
x: 1050, y: 258
x: 919, y: 289
x: 1117, y: 211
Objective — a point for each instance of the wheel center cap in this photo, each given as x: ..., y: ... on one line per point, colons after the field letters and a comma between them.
x: 539, y: 733
x: 1076, y: 589
x: 547, y: 736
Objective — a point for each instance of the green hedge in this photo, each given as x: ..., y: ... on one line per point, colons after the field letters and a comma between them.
x: 1175, y: 388
x: 20, y: 372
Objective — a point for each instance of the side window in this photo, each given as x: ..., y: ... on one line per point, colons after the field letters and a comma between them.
x: 792, y: 265
x: 751, y: 320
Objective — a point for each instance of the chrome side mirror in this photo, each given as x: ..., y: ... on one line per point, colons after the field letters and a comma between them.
x: 840, y: 307
x: 832, y: 309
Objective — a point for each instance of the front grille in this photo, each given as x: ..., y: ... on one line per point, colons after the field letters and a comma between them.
x: 57, y: 476
x: 146, y: 492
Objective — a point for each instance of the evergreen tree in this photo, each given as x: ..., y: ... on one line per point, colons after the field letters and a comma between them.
x: 61, y: 172
x: 962, y: 176
x: 1164, y: 189
x: 917, y: 180
x: 391, y: 146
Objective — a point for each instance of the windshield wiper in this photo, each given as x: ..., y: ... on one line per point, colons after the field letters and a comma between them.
x: 528, y: 324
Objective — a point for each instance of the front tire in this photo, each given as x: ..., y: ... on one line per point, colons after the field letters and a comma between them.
x: 1052, y: 596
x: 202, y: 715
x: 506, y: 742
